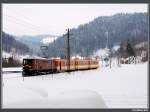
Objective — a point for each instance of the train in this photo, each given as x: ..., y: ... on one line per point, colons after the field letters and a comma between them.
x: 33, y: 67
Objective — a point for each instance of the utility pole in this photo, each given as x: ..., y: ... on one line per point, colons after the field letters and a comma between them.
x: 68, y: 49
x: 106, y: 39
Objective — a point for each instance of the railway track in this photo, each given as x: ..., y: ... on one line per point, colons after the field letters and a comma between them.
x: 6, y: 72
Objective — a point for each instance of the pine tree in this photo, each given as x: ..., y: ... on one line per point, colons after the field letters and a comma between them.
x: 129, y: 49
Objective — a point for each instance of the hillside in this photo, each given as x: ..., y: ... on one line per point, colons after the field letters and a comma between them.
x: 90, y: 37
x: 10, y: 44
x: 11, y: 50
x: 34, y: 42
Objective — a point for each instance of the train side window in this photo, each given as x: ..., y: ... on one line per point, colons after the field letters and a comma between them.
x: 29, y: 61
x: 57, y: 63
x: 24, y: 62
x: 49, y: 61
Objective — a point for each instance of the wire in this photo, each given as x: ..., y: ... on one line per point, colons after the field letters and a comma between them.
x: 21, y: 22
x: 27, y: 19
x: 24, y: 23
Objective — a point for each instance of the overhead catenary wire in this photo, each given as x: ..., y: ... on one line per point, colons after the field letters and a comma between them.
x: 19, y: 21
x: 21, y: 26
x: 24, y: 23
x: 27, y: 20
x: 24, y: 17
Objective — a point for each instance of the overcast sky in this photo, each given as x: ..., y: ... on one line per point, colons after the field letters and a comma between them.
x: 54, y: 19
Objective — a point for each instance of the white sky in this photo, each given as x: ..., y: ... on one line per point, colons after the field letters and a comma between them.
x: 33, y: 19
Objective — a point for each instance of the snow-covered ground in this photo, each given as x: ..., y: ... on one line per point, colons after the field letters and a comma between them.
x: 12, y: 69
x: 119, y: 87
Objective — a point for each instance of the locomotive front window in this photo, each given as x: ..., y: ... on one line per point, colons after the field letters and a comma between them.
x: 29, y: 61
x: 24, y: 62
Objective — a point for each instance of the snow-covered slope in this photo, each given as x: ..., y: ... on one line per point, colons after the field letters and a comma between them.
x: 48, y: 40
x: 119, y: 87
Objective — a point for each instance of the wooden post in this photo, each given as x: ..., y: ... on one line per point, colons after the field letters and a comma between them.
x: 118, y: 61
x: 110, y: 62
x: 68, y: 51
x: 102, y: 60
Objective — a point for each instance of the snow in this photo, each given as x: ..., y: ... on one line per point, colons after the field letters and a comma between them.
x: 18, y: 56
x: 48, y: 40
x: 75, y: 99
x: 116, y: 47
x: 12, y: 72
x: 12, y: 69
x: 77, y: 56
x: 105, y: 52
x: 140, y: 45
x: 6, y: 55
x: 118, y: 87
x: 102, y: 52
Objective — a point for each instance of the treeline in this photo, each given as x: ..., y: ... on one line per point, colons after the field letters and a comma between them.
x: 130, y: 50
x: 11, y: 62
x: 14, y: 47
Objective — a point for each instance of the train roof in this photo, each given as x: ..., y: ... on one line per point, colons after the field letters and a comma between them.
x: 60, y: 59
x: 37, y: 58
x: 75, y: 59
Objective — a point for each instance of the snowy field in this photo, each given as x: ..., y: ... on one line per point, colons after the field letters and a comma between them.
x: 119, y: 87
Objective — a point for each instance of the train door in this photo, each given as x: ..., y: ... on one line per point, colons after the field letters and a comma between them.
x: 52, y: 68
x: 88, y: 64
x: 76, y: 65
x: 60, y: 65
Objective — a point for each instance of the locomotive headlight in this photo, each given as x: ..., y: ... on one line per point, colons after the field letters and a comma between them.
x: 27, y: 67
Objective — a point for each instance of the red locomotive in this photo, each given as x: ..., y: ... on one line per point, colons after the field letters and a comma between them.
x: 45, y: 66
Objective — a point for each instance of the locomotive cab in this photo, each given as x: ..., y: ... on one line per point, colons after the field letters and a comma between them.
x: 27, y: 65
x: 27, y: 61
